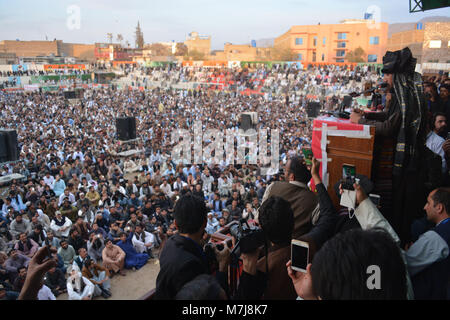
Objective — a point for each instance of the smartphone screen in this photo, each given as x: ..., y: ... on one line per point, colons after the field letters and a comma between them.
x: 299, y: 255
x: 348, y: 176
x: 308, y: 154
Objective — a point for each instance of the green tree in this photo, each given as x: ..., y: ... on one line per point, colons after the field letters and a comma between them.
x: 357, y: 55
x: 181, y: 49
x: 283, y: 54
x: 159, y: 49
x: 119, y: 38
x: 109, y: 36
x: 195, y: 55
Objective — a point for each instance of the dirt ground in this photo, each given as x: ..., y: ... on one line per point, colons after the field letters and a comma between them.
x: 132, y: 286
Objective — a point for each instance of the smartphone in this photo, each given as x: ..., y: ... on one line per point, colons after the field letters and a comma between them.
x: 348, y: 176
x: 375, y: 199
x: 308, y: 154
x: 448, y: 135
x: 48, y: 246
x: 299, y: 255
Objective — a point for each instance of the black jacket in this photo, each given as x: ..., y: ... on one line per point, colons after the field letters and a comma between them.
x: 181, y: 260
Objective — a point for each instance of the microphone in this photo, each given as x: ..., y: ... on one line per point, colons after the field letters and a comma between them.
x: 382, y: 85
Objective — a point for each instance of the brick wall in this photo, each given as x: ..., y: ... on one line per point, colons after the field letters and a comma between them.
x: 436, y: 31
x: 29, y: 48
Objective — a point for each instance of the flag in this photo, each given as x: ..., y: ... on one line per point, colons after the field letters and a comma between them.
x: 161, y: 107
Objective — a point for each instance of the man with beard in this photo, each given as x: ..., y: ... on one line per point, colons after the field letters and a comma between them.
x: 435, y: 138
x: 60, y: 225
x: 143, y: 241
x: 407, y: 173
x: 79, y: 287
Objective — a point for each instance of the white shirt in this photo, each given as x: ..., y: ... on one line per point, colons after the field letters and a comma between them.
x: 434, y: 143
x: 46, y: 294
x: 88, y: 289
x: 140, y: 245
x: 70, y: 196
x: 49, y: 181
x: 166, y: 189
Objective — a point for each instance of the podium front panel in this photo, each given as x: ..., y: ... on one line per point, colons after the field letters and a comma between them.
x: 338, y: 142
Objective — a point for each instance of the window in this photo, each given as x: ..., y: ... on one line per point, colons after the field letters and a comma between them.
x: 300, y: 57
x: 340, y: 53
x: 435, y: 44
x: 324, y: 40
x: 340, y: 60
x: 372, y: 58
x: 341, y: 44
x: 315, y: 41
x: 342, y: 36
x: 298, y: 41
x: 323, y: 56
x: 314, y: 57
x: 374, y: 40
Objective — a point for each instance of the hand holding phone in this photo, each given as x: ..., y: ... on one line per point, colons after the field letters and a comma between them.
x: 308, y: 154
x: 299, y: 255
x: 348, y: 176
x: 48, y: 246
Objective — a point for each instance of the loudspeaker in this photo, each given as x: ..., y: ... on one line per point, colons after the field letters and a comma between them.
x: 70, y: 95
x: 347, y: 101
x: 246, y: 122
x: 126, y: 128
x: 313, y: 109
x: 122, y: 129
x: 132, y: 128
x: 3, y: 148
x: 9, y: 149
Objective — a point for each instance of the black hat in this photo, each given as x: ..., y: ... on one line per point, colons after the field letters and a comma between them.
x: 400, y: 61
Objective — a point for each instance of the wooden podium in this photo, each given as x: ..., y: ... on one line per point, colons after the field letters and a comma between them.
x: 338, y: 142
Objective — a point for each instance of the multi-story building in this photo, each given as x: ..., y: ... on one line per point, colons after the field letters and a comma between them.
x: 242, y: 52
x: 115, y: 52
x: 330, y: 43
x: 429, y: 41
x: 196, y: 42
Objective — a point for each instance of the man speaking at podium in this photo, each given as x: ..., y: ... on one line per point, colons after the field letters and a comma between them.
x: 401, y: 174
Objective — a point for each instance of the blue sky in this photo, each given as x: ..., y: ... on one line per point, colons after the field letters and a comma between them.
x: 236, y: 21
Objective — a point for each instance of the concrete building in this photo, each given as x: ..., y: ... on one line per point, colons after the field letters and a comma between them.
x: 8, y: 58
x: 411, y: 38
x: 242, y: 52
x: 196, y: 42
x: 48, y: 48
x: 330, y: 43
x: 30, y: 48
x: 429, y: 43
x: 85, y: 52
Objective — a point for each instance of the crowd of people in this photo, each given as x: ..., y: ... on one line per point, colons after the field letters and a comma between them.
x: 327, y: 84
x: 33, y: 72
x: 100, y: 212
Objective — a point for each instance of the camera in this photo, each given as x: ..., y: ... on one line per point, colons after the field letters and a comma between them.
x: 248, y: 238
